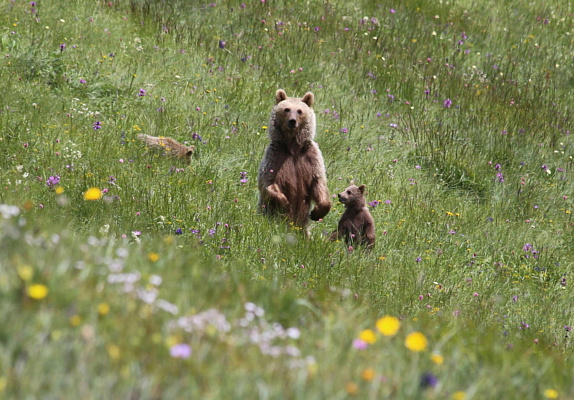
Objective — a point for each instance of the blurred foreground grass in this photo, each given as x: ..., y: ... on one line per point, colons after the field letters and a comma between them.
x: 168, y: 284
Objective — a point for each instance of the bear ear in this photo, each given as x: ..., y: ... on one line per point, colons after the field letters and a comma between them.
x: 280, y: 95
x: 362, y: 189
x: 308, y: 99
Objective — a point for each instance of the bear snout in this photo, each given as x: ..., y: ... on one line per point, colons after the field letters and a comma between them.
x: 292, y: 123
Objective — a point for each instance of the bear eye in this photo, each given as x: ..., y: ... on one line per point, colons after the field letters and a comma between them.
x: 299, y: 112
x: 287, y: 110
x: 348, y: 192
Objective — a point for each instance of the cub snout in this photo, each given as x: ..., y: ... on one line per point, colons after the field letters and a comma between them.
x: 342, y: 197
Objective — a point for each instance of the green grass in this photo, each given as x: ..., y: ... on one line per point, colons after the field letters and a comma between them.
x: 456, y: 115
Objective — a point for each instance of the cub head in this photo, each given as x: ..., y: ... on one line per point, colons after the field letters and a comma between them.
x: 294, y: 116
x: 189, y: 150
x: 352, y: 197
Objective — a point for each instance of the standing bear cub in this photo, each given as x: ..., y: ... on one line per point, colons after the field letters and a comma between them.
x: 292, y: 173
x: 356, y: 225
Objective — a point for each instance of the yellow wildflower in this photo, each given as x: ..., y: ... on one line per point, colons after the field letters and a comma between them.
x: 388, y: 326
x: 368, y: 336
x: 352, y: 387
x: 103, y: 308
x: 113, y: 351
x: 75, y: 320
x: 37, y: 292
x: 460, y: 395
x: 416, y: 341
x: 93, y: 194
x: 437, y: 359
x: 551, y: 394
x: 368, y: 374
x: 25, y: 272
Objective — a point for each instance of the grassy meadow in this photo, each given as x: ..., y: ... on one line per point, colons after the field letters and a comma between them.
x: 126, y: 274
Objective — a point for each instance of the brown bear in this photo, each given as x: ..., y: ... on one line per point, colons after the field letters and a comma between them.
x: 356, y: 225
x: 172, y: 146
x: 292, y: 173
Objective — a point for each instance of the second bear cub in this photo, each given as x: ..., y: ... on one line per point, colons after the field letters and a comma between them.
x: 356, y: 225
x: 171, y: 146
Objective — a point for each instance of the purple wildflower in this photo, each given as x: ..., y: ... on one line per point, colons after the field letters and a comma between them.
x: 447, y: 103
x: 142, y: 93
x: 428, y: 380
x: 97, y: 125
x: 243, y: 177
x: 180, y: 350
x: 374, y: 203
x: 221, y: 44
x: 360, y: 344
x: 53, y: 181
x: 500, y: 177
x: 178, y: 231
x: 529, y: 248
x: 63, y: 47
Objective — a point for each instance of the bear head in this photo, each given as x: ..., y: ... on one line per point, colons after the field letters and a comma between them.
x: 293, y: 117
x: 352, y: 197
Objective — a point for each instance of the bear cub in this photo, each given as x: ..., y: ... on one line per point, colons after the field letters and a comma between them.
x: 292, y: 173
x: 356, y: 225
x: 170, y: 145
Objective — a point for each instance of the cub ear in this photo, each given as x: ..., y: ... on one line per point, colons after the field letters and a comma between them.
x: 308, y: 99
x: 280, y: 95
x: 362, y: 189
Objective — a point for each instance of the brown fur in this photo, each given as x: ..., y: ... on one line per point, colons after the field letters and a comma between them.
x: 172, y: 146
x: 292, y: 173
x: 356, y: 225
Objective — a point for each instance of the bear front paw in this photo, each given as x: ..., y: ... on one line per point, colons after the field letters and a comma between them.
x: 319, y: 212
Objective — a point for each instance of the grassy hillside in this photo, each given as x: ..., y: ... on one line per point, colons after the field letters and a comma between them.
x: 128, y: 274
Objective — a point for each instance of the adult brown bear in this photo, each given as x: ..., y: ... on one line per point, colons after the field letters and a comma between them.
x: 292, y: 173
